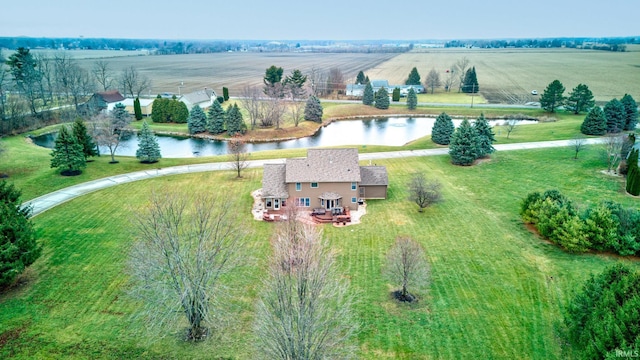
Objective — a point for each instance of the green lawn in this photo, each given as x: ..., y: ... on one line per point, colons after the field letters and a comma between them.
x: 496, y: 291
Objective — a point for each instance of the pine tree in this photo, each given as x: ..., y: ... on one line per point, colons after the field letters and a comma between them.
x: 148, y: 148
x: 366, y: 79
x: 89, y: 147
x: 67, y: 154
x: 121, y: 118
x: 614, y: 112
x: 395, y: 96
x: 553, y: 96
x: 313, y: 109
x: 360, y: 80
x: 137, y: 109
x: 18, y: 245
x: 382, y: 99
x: 216, y: 120
x: 197, y: 121
x: 464, y: 147
x: 631, y: 112
x: 414, y: 78
x: 470, y: 83
x: 486, y: 137
x: 580, y: 99
x: 368, y: 97
x: 159, y: 114
x: 595, y: 123
x: 235, y: 123
x: 633, y: 173
x: 442, y: 130
x: 225, y: 94
x: 179, y: 111
x: 412, y: 99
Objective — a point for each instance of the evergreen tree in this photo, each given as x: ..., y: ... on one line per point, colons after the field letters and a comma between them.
x: 197, y: 121
x: 580, y: 99
x: 553, y: 96
x: 442, y: 130
x: 414, y: 78
x: 313, y: 109
x: 470, y: 83
x: 67, y: 154
x: 18, y: 245
x: 121, y: 118
x: 179, y: 111
x: 235, y: 123
x: 360, y: 80
x: 464, y: 148
x: 368, y: 97
x: 137, y: 109
x: 148, y: 148
x: 486, y: 137
x: 89, y: 147
x: 159, y: 114
x: 382, y: 99
x: 615, y: 115
x: 225, y: 94
x: 395, y: 96
x: 366, y: 79
x: 216, y: 119
x: 630, y: 111
x: 633, y: 173
x: 595, y: 123
x: 412, y: 99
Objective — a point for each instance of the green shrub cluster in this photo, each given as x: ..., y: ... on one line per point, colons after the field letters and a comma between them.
x: 606, y: 226
x: 602, y: 318
x: 169, y: 110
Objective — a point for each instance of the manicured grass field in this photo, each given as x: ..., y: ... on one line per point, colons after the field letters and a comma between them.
x: 497, y: 289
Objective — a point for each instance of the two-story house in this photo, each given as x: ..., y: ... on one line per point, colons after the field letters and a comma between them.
x: 325, y: 179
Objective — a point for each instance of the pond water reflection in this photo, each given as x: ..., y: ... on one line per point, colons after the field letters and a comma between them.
x: 383, y: 131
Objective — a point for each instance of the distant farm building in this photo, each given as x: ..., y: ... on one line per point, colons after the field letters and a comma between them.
x: 146, y: 106
x: 203, y: 98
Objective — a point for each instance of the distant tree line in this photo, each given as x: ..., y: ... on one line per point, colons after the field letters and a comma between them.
x: 608, y: 44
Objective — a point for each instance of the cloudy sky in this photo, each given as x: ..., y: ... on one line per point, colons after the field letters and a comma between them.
x: 325, y: 19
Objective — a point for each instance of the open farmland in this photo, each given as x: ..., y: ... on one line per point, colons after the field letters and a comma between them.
x: 505, y: 75
x: 509, y: 75
x: 234, y: 70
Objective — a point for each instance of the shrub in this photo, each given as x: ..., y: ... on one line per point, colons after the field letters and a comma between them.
x: 395, y: 96
x: 225, y: 94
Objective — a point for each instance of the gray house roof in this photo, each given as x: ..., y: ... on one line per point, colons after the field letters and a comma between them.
x: 324, y: 165
x: 273, y: 184
x: 201, y: 97
x: 374, y: 175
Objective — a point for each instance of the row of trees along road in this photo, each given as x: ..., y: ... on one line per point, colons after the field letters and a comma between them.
x: 580, y: 99
x: 31, y: 84
x: 616, y: 116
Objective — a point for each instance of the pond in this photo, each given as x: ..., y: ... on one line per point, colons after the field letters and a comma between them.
x: 383, y: 131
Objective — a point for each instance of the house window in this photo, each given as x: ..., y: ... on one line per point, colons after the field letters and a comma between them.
x: 268, y: 203
x: 353, y: 186
x: 322, y: 202
x: 314, y: 185
x: 306, y: 202
x: 298, y: 187
x: 354, y: 200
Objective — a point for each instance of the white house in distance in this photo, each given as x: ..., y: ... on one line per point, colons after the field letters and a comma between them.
x: 203, y: 98
x: 357, y: 90
x: 146, y: 106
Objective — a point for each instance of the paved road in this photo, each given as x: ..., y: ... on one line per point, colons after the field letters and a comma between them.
x: 48, y: 201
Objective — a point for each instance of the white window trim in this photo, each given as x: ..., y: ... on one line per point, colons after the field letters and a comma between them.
x: 354, y: 186
x: 314, y: 187
x: 298, y: 186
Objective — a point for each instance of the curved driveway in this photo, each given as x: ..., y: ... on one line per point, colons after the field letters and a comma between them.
x: 47, y: 201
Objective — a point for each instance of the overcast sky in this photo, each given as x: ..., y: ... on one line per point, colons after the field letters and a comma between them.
x: 324, y: 19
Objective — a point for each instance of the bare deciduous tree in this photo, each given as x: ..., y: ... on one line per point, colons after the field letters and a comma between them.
x: 102, y: 72
x: 108, y: 132
x: 450, y: 80
x: 460, y: 69
x: 335, y: 82
x: 612, y: 150
x: 133, y: 83
x: 185, y: 245
x: 423, y: 192
x: 510, y: 126
x: 251, y: 100
x: 407, y: 266
x: 238, y: 156
x: 274, y: 108
x: 577, y: 143
x: 72, y: 80
x: 304, y: 311
x: 433, y: 80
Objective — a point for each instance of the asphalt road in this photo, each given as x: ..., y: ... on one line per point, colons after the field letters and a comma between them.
x: 50, y: 200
